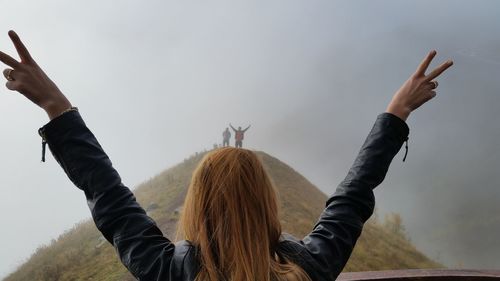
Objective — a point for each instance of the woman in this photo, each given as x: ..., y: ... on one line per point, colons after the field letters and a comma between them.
x: 230, y: 217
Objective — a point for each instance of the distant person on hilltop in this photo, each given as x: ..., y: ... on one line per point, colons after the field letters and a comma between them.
x: 230, y: 218
x: 226, y: 135
x: 239, y: 135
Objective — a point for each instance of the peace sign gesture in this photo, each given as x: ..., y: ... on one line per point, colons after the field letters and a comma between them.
x: 28, y: 78
x: 418, y: 89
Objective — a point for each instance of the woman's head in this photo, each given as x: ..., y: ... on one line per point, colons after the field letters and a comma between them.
x: 231, y: 201
x: 231, y: 215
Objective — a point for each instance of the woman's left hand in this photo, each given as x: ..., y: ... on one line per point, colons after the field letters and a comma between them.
x: 27, y: 78
x: 418, y: 89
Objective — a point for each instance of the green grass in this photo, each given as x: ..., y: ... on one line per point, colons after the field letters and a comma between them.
x: 79, y: 253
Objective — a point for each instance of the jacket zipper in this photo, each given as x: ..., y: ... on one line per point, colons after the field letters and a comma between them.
x: 406, y: 149
x: 44, y: 142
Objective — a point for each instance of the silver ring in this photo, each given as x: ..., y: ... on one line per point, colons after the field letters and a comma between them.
x: 435, y: 84
x: 8, y: 77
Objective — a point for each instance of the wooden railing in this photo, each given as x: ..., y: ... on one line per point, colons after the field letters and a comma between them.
x: 422, y: 274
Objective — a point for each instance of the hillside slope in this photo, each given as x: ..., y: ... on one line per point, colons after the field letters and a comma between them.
x: 82, y: 254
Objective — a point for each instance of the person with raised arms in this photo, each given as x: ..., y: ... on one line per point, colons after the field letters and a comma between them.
x: 239, y: 135
x: 230, y: 217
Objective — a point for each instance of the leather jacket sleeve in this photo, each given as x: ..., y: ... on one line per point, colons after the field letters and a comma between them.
x: 330, y: 244
x: 142, y: 248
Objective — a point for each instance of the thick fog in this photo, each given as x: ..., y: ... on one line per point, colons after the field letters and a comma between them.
x: 157, y: 81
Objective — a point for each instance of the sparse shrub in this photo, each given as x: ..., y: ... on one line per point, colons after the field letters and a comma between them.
x: 394, y: 224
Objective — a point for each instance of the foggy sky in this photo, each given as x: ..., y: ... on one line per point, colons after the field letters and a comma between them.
x: 157, y: 81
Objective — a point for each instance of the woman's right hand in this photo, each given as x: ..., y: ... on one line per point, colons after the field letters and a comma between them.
x: 28, y: 78
x: 418, y: 89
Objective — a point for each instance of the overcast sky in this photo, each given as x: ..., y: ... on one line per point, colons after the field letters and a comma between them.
x: 157, y: 81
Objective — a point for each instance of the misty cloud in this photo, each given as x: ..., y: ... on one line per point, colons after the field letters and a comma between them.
x: 157, y: 81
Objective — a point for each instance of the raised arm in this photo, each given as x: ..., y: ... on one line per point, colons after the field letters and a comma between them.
x: 138, y: 241
x: 232, y: 127
x: 330, y: 244
x: 247, y: 128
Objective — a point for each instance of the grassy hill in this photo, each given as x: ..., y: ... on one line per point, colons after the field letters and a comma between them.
x: 82, y: 254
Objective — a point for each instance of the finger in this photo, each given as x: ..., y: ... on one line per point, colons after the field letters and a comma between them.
x: 428, y: 96
x: 12, y: 85
x: 431, y: 85
x: 8, y: 60
x: 440, y: 69
x: 428, y: 86
x: 21, y: 49
x: 425, y: 63
x: 8, y: 74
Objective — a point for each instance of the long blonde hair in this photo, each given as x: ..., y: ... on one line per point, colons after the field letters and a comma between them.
x: 231, y: 215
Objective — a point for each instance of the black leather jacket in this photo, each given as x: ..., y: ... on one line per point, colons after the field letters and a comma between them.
x: 149, y: 255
